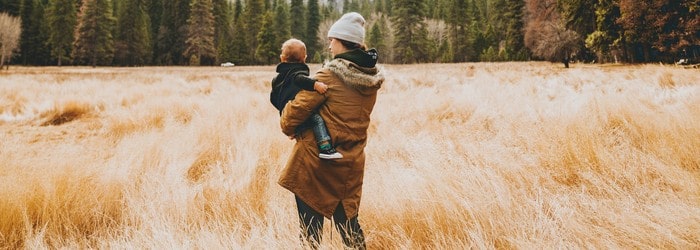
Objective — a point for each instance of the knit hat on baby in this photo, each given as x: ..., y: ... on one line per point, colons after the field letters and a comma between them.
x: 350, y: 27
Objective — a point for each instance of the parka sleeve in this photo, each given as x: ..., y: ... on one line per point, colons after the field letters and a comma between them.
x: 298, y: 110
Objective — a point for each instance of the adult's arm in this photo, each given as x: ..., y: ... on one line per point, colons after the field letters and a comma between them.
x: 298, y: 110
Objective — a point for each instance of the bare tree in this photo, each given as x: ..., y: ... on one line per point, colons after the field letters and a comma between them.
x: 10, y: 31
x: 556, y: 42
x: 546, y: 34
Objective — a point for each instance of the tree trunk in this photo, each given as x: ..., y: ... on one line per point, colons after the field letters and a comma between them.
x: 646, y: 54
x: 625, y: 54
x: 59, y: 61
x: 566, y: 62
x: 2, y: 60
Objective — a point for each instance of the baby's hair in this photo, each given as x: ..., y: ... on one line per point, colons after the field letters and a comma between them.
x: 294, y: 50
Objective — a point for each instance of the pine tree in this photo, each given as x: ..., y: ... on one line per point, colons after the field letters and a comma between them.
x: 474, y: 12
x: 267, y: 51
x: 607, y: 36
x: 133, y: 45
x: 11, y: 7
x: 116, y: 7
x: 62, y: 18
x: 431, y: 9
x: 165, y: 36
x: 172, y: 32
x: 252, y: 25
x: 182, y: 16
x: 33, y: 47
x: 376, y: 39
x: 498, y: 18
x: 474, y: 29
x: 297, y: 15
x: 239, y: 46
x: 579, y: 16
x: 410, y: 31
x: 366, y: 8
x: 330, y: 11
x: 484, y: 9
x: 489, y: 55
x: 346, y: 6
x: 351, y: 6
x: 445, y: 52
x: 515, y: 45
x: 442, y: 9
x: 459, y: 21
x: 94, y: 44
x: 155, y: 11
x: 199, y: 42
x: 313, y: 22
x: 636, y: 19
x: 379, y: 6
x: 389, y: 7
x: 481, y: 40
x: 506, y: 19
x: 281, y: 24
x: 223, y: 16
x: 237, y: 10
x: 490, y: 37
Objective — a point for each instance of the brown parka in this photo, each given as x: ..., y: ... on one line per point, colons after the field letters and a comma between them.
x: 346, y: 108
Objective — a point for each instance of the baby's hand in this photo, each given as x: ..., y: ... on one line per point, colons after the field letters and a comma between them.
x: 320, y: 87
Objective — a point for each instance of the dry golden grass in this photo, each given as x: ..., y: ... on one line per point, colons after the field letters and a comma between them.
x: 503, y: 155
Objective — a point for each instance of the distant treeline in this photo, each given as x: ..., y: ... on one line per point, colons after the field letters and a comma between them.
x: 250, y: 32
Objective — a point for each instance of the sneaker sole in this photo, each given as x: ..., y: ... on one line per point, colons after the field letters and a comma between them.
x: 330, y: 157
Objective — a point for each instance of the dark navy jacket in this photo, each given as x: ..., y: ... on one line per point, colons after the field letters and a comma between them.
x: 291, y: 78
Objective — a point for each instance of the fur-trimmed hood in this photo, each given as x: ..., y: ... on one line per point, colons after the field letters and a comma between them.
x: 366, y: 80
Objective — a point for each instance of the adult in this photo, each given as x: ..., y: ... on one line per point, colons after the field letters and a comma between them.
x: 333, y: 188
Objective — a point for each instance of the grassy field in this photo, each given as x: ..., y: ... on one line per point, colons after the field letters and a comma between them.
x: 503, y: 155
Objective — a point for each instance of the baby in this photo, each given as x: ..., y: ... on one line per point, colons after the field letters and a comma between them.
x: 292, y: 77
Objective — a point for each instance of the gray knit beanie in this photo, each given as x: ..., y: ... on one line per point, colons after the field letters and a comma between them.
x: 350, y: 27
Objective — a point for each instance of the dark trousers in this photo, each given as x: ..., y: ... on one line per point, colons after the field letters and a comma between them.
x: 312, y: 226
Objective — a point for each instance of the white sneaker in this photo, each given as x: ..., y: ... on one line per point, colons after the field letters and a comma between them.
x: 330, y: 155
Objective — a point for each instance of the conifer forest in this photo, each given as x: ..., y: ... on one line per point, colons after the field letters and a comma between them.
x: 250, y: 32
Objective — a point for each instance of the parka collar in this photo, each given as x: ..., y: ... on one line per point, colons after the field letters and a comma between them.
x: 284, y: 67
x: 367, y: 80
x: 367, y: 59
